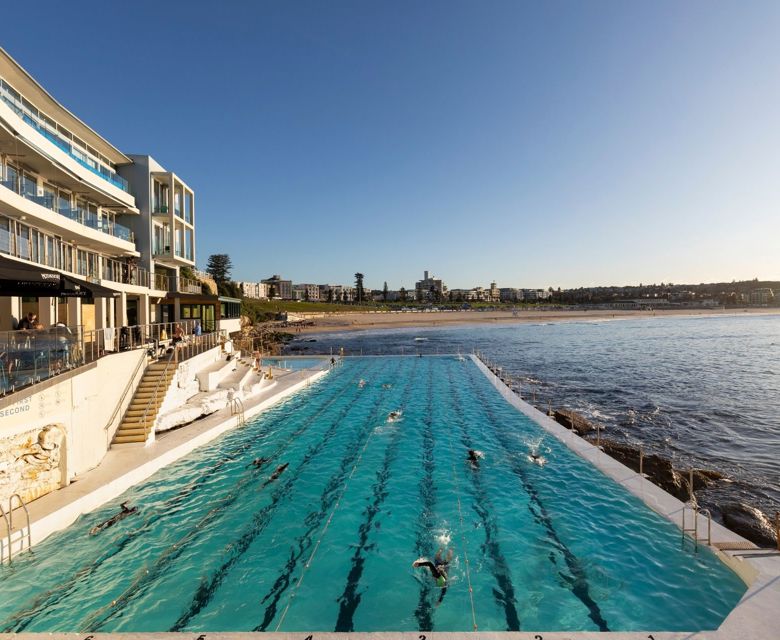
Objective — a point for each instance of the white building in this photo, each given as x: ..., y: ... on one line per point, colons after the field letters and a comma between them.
x: 254, y: 290
x: 109, y: 232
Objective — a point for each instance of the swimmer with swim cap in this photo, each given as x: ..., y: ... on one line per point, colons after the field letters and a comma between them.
x: 438, y: 569
x: 126, y: 511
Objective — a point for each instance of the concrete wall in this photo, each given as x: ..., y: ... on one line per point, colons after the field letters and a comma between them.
x: 58, y: 428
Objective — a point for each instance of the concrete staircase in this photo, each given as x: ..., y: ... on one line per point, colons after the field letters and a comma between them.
x: 138, y: 422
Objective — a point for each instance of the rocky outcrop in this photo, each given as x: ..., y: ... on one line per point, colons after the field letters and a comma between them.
x: 32, y: 463
x: 749, y: 522
x: 573, y: 421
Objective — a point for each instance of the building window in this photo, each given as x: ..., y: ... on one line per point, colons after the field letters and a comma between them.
x: 5, y: 235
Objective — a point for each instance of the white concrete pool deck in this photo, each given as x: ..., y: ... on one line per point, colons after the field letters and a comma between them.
x: 756, y: 617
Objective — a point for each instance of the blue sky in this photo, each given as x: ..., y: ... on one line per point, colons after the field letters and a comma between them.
x: 534, y: 143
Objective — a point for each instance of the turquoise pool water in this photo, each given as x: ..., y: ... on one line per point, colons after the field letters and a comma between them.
x: 328, y: 545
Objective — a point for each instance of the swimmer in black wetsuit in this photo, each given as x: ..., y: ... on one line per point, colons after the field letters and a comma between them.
x: 438, y: 569
x: 258, y: 463
x: 279, y: 470
x: 474, y: 457
x: 126, y: 511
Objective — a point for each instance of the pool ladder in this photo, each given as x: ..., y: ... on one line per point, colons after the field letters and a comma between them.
x: 237, y: 409
x: 694, y: 530
x: 8, y: 517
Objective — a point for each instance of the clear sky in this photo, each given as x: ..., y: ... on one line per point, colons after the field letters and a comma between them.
x: 535, y: 143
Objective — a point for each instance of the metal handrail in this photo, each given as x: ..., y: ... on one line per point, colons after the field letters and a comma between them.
x: 163, y: 376
x: 237, y: 408
x: 8, y: 527
x: 129, y: 384
x: 27, y: 516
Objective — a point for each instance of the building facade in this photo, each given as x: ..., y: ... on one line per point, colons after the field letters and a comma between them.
x: 119, y: 227
x: 429, y: 289
x: 278, y: 288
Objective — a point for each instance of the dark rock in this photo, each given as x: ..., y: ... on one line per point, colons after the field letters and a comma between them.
x: 574, y: 421
x: 750, y: 523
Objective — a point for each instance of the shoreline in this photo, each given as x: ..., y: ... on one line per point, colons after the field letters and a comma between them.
x: 361, y: 321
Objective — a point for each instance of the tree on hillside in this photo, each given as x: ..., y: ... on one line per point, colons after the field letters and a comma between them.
x: 330, y: 295
x: 219, y: 267
x: 359, y: 287
x: 402, y: 294
x: 271, y: 291
x: 384, y: 292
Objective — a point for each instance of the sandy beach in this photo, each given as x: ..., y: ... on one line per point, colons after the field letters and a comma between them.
x: 398, y: 320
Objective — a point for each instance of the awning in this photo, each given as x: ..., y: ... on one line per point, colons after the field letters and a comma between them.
x: 26, y: 279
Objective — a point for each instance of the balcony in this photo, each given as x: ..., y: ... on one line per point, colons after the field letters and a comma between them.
x: 82, y: 157
x: 82, y: 216
x: 189, y: 286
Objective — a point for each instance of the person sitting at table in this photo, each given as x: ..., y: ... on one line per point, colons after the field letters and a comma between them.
x: 28, y: 322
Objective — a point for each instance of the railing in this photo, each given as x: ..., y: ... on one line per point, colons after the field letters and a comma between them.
x: 82, y: 157
x: 161, y: 281
x: 29, y: 357
x: 79, y: 214
x: 189, y: 286
x: 123, y: 397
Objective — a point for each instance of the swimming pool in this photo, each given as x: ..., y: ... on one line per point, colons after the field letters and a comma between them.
x: 329, y: 544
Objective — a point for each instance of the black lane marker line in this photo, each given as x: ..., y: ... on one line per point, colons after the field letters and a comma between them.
x: 314, y: 520
x: 349, y: 600
x: 425, y: 518
x: 578, y: 578
x: 482, y: 505
x: 146, y: 579
x: 58, y: 593
x: 260, y: 520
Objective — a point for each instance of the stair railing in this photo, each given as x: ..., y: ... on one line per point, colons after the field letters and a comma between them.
x: 153, y: 399
x: 122, y: 397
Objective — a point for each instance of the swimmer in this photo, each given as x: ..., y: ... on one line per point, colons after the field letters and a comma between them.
x: 126, y: 511
x: 438, y: 569
x: 279, y: 470
x: 474, y: 457
x: 537, y: 458
x: 387, y: 386
x: 361, y: 384
x: 394, y: 416
x: 258, y: 463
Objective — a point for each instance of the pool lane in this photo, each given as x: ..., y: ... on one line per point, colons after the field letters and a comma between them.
x: 325, y: 593
x: 571, y: 569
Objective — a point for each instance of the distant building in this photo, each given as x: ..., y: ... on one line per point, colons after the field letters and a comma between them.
x: 763, y: 295
x: 507, y: 294
x: 278, y: 288
x: 534, y: 295
x: 429, y: 289
x: 307, y: 292
x: 254, y: 290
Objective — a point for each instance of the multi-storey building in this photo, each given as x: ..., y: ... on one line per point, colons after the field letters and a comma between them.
x: 106, y: 232
x: 429, y: 289
x: 255, y: 290
x: 278, y: 288
x: 307, y: 292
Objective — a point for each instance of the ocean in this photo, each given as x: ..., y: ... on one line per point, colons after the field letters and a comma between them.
x: 699, y: 391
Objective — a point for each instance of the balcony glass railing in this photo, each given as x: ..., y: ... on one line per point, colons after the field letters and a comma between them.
x: 74, y: 152
x: 82, y: 216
